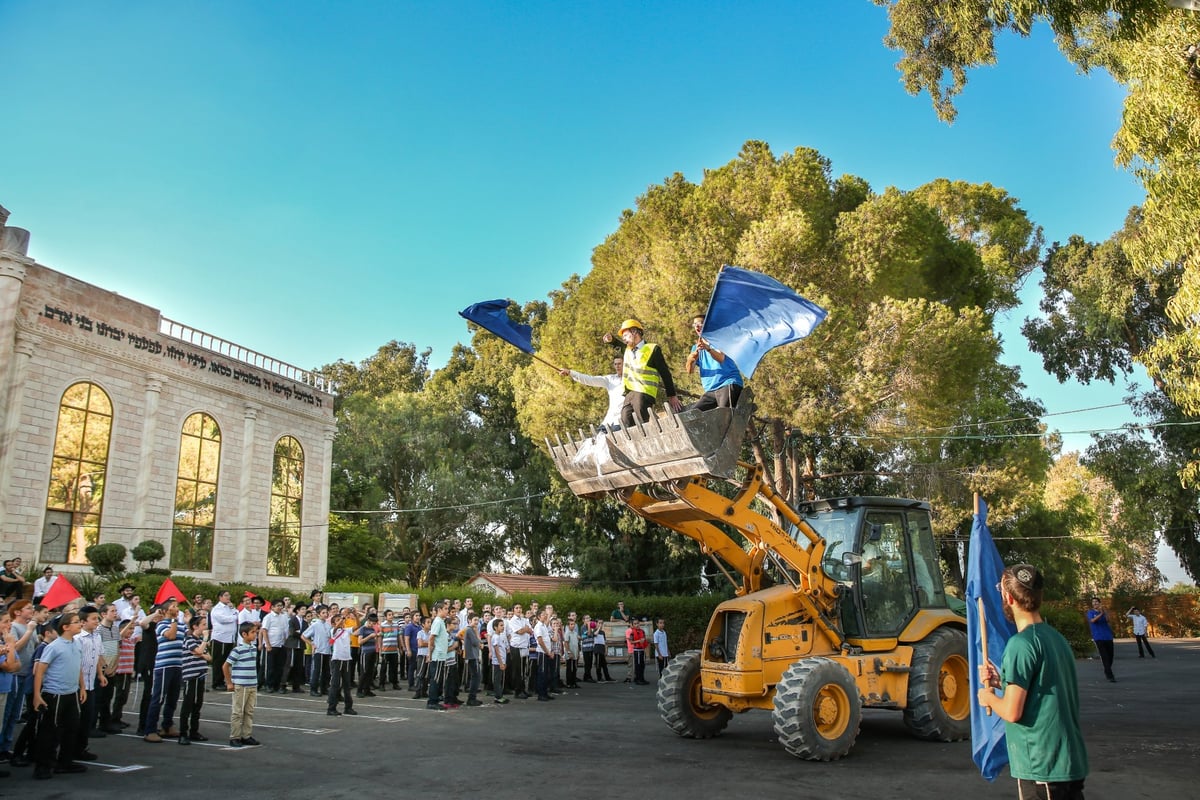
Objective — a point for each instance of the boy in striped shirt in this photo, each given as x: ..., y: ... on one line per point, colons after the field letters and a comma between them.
x: 241, y: 674
x: 195, y: 668
x: 389, y: 651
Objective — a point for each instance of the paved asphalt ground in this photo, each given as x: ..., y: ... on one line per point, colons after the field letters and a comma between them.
x: 607, y: 741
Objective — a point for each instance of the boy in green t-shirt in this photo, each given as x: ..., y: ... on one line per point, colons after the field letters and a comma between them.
x: 1040, y: 700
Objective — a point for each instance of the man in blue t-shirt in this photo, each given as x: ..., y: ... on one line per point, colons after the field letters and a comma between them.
x: 1102, y: 635
x: 720, y: 377
x: 411, y: 629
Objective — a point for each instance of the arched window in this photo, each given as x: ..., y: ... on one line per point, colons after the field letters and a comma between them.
x: 287, y: 501
x: 196, y: 494
x: 77, y: 473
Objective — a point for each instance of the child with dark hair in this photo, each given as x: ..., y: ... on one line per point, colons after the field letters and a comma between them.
x: 241, y: 674
x: 195, y: 667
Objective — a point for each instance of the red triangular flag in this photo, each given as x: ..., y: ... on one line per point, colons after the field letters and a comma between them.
x: 168, y: 591
x: 61, y: 593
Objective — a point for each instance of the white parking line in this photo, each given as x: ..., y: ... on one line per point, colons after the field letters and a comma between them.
x: 313, y: 731
x: 114, y: 767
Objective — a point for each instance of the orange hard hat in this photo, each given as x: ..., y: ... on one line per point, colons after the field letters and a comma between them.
x: 629, y: 323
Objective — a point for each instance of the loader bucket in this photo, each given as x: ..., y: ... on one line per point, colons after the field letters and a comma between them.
x: 668, y: 447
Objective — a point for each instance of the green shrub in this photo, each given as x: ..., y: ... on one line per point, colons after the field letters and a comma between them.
x: 107, y: 560
x: 149, y: 552
x: 156, y: 571
x: 1070, y: 621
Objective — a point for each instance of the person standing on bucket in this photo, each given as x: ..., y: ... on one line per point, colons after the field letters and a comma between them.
x: 646, y: 374
x: 1039, y: 699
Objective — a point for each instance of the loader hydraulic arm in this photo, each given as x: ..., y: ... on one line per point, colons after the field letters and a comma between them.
x: 696, y: 511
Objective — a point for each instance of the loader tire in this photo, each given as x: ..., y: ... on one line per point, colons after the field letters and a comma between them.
x: 817, y: 710
x: 939, y: 688
x: 679, y: 700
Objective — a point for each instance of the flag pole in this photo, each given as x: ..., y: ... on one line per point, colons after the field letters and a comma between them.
x: 982, y: 621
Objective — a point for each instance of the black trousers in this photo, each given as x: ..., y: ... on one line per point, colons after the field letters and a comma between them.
x: 276, y: 659
x: 87, y: 721
x: 1143, y: 640
x: 193, y: 700
x: 637, y: 404
x: 389, y: 670
x: 318, y: 681
x: 120, y: 696
x: 295, y: 667
x: 339, y: 687
x: 473, y: 678
x: 498, y: 680
x: 366, y: 677
x: 1105, y: 648
x: 57, y: 730
x: 587, y: 663
x: 1043, y: 790
x: 220, y: 654
x: 725, y: 397
x: 104, y: 697
x: 515, y: 674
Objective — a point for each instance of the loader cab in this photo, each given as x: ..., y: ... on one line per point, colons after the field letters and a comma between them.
x: 881, y: 551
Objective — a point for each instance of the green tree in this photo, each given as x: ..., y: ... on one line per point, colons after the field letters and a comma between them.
x: 911, y: 281
x: 1142, y: 44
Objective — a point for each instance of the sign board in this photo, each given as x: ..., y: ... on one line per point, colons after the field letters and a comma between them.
x: 396, y: 602
x: 344, y: 599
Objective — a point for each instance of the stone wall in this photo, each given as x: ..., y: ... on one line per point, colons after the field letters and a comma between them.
x: 66, y: 331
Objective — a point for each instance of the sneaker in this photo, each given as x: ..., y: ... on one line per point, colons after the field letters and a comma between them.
x: 435, y: 707
x: 170, y: 733
x: 545, y: 699
x: 86, y: 755
x: 20, y: 761
x: 184, y: 740
x: 96, y: 733
x: 122, y: 724
x: 235, y: 742
x: 500, y: 701
x: 43, y: 773
x: 113, y: 729
x: 474, y: 703
x: 453, y: 705
x: 333, y: 712
x: 69, y: 769
x: 250, y: 741
x: 198, y: 737
x: 350, y: 712
x: 154, y: 738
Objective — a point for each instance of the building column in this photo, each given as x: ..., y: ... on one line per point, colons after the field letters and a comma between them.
x: 323, y: 508
x: 245, y: 490
x: 12, y: 393
x: 148, y: 458
x: 13, y: 266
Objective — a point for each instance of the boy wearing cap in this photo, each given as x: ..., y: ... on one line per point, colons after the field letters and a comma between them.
x: 1040, y: 696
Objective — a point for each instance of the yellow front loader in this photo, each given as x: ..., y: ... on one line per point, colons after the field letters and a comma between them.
x: 841, y: 608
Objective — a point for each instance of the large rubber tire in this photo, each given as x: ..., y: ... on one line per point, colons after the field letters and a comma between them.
x: 939, y: 688
x: 817, y: 710
x: 679, y: 700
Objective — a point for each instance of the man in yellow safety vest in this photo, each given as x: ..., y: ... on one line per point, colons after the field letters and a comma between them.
x: 646, y: 375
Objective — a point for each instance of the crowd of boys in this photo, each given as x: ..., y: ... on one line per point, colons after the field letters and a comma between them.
x: 67, y: 674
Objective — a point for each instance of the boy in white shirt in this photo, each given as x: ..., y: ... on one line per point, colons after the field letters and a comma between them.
x: 498, y: 647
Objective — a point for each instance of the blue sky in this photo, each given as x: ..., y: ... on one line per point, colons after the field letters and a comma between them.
x: 314, y: 179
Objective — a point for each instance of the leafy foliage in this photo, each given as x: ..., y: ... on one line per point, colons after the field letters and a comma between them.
x: 107, y: 559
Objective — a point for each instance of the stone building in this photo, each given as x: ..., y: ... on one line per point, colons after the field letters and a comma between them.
x: 119, y: 425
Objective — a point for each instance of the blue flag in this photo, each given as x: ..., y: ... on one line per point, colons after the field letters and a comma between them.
x: 492, y: 315
x: 984, y: 570
x: 750, y: 314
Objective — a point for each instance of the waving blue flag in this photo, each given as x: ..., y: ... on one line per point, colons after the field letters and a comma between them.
x: 492, y: 315
x: 751, y: 313
x: 984, y: 569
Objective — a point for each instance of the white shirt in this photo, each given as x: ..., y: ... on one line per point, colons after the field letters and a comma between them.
x: 541, y: 634
x: 42, y: 585
x: 249, y: 614
x: 90, y: 647
x: 341, y: 644
x: 515, y: 639
x: 614, y: 385
x: 124, y: 608
x: 276, y: 627
x: 660, y: 644
x: 224, y: 621
x: 1140, y: 625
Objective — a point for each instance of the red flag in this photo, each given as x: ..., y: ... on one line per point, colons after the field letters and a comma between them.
x: 61, y: 593
x: 168, y: 591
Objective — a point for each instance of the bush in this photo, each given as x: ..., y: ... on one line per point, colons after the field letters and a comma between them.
x: 1070, y: 621
x: 156, y: 571
x: 107, y: 560
x: 148, y: 552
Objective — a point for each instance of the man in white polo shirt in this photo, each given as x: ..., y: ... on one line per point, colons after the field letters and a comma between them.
x: 224, y: 621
